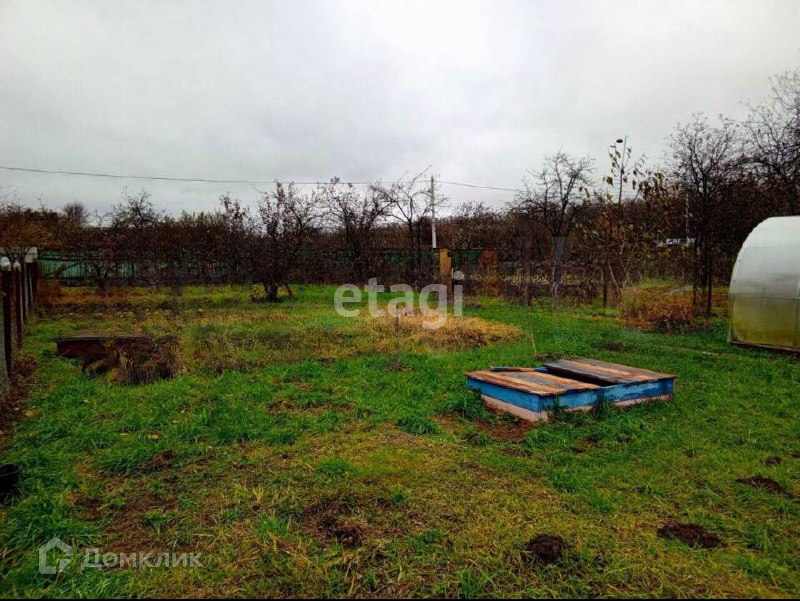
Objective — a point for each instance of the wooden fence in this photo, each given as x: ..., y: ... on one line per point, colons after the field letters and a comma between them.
x: 18, y: 284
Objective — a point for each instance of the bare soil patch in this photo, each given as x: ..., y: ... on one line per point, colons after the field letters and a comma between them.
x: 692, y: 535
x: 127, y: 527
x: 89, y: 508
x: 332, y: 519
x: 162, y: 460
x: 10, y: 408
x: 544, y: 549
x: 347, y: 533
x: 764, y: 483
x: 585, y: 445
x: 504, y: 429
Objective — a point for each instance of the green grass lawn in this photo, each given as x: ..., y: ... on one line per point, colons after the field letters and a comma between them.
x: 305, y: 454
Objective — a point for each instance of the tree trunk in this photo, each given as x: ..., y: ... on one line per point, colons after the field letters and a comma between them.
x: 560, y: 244
x: 710, y: 284
x: 270, y: 292
x: 526, y: 273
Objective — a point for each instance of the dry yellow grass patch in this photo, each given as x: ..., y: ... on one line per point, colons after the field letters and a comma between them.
x: 455, y: 334
x: 225, y: 317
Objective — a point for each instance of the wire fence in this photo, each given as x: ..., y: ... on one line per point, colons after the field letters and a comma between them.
x: 313, y: 266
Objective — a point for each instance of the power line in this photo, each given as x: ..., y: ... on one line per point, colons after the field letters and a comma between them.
x: 225, y: 181
x: 144, y: 177
x: 477, y: 186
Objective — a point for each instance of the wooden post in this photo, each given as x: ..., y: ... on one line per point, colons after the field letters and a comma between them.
x: 35, y: 278
x: 16, y: 284
x: 30, y: 262
x: 5, y: 283
x: 445, y: 266
x: 24, y: 290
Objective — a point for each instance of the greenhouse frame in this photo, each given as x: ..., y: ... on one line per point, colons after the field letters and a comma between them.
x: 765, y: 287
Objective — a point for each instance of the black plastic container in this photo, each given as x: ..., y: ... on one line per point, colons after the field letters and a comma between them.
x: 9, y: 481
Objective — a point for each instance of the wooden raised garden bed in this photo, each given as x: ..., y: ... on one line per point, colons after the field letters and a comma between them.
x: 532, y: 393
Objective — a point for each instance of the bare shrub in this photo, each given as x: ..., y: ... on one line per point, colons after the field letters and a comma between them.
x: 659, y: 311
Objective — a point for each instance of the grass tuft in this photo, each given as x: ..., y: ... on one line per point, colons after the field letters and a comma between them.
x: 417, y: 424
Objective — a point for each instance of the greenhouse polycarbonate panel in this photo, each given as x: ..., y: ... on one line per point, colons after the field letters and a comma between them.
x: 766, y: 272
x: 765, y: 287
x: 764, y: 321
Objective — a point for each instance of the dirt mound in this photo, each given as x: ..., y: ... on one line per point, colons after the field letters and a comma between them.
x: 161, y: 461
x: 89, y: 508
x: 340, y: 528
x: 765, y: 483
x: 504, y: 429
x: 332, y: 519
x: 544, y: 549
x: 585, y: 444
x: 692, y: 535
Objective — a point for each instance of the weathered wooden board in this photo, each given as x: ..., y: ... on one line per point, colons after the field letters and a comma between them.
x: 571, y: 384
x: 93, y: 346
x: 603, y: 370
x: 536, y: 382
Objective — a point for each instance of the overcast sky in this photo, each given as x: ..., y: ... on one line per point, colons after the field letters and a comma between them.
x: 296, y: 90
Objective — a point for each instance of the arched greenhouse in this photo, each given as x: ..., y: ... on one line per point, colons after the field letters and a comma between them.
x: 765, y: 287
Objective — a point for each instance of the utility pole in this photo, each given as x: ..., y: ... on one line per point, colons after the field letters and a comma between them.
x: 433, y: 216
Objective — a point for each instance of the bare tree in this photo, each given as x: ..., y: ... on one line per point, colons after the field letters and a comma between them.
x: 704, y: 163
x: 409, y: 202
x: 75, y: 213
x: 553, y: 199
x: 21, y: 229
x: 283, y: 223
x: 772, y: 140
x: 236, y: 248
x: 472, y: 225
x: 356, y: 216
x: 134, y: 226
x: 622, y: 232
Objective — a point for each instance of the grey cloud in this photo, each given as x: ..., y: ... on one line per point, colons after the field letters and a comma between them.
x: 480, y: 91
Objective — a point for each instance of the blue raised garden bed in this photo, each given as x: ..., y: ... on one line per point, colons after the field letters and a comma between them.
x: 570, y: 384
